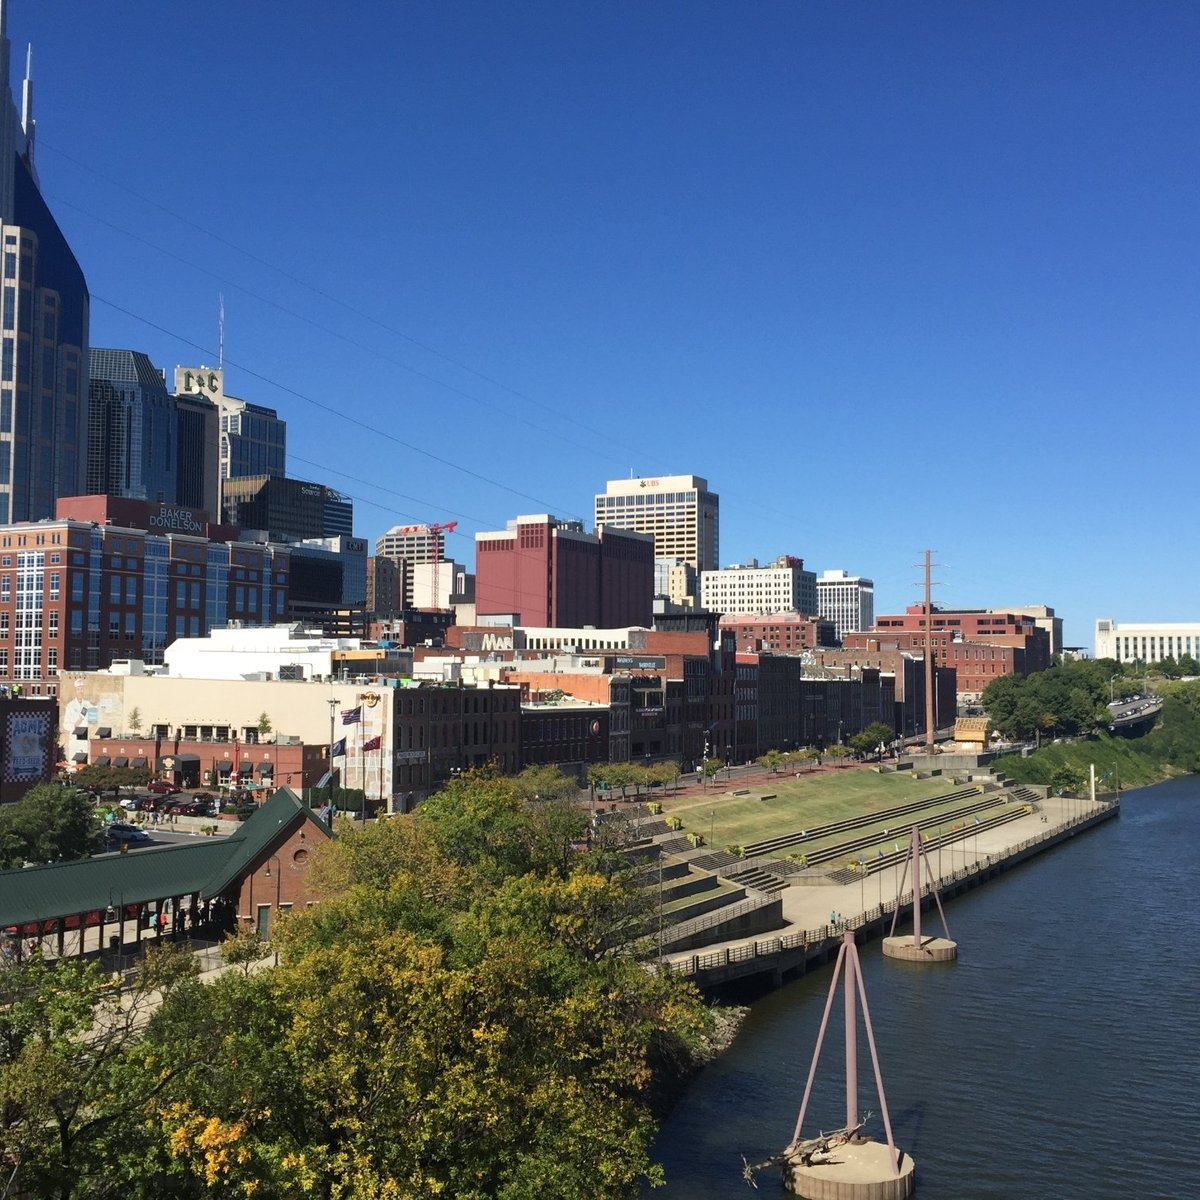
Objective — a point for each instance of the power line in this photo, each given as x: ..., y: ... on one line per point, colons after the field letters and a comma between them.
x: 282, y: 308
x: 343, y: 417
x: 361, y: 314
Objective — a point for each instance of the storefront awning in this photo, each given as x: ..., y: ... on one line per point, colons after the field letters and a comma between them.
x: 104, y: 732
x: 224, y: 768
x: 246, y: 769
x: 102, y: 761
x: 81, y: 731
x: 120, y: 761
x: 79, y: 758
x: 138, y: 762
x: 266, y: 768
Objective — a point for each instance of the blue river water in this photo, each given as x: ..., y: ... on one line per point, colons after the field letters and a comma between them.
x: 1059, y: 1057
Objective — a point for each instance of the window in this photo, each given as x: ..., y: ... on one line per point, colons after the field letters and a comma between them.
x: 55, y: 578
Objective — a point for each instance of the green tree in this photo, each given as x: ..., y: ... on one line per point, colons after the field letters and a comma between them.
x: 708, y: 768
x: 68, y: 1097
x: 264, y: 724
x: 134, y: 721
x: 50, y: 823
x: 544, y: 783
x: 770, y: 760
x: 1068, y: 780
x: 872, y: 737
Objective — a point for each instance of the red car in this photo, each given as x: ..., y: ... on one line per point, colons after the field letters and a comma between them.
x: 162, y: 787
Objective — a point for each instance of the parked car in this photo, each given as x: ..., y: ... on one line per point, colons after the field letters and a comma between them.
x: 118, y: 831
x: 164, y: 787
x: 201, y: 808
x: 208, y: 796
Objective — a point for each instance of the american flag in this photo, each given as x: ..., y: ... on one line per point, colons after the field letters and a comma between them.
x: 351, y: 716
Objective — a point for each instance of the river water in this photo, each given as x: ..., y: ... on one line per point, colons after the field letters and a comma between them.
x: 1059, y: 1057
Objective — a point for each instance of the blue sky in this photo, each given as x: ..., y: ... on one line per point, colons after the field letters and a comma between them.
x: 889, y: 276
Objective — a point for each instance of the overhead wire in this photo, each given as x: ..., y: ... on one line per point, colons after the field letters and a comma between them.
x: 287, y: 389
x: 361, y: 314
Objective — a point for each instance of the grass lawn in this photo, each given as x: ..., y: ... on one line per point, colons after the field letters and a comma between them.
x: 798, y: 804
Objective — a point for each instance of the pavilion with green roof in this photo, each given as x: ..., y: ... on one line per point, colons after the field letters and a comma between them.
x: 210, y: 886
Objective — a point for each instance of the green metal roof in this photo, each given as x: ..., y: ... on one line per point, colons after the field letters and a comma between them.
x: 206, y: 867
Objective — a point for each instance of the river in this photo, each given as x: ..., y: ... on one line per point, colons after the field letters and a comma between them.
x: 1059, y: 1057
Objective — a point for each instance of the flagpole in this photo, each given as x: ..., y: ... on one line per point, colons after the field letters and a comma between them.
x: 362, y: 765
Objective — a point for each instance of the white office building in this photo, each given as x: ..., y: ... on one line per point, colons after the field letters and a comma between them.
x: 1146, y: 643
x: 678, y: 510
x: 782, y: 586
x: 846, y: 600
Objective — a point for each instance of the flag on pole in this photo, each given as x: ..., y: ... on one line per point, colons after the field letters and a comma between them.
x: 339, y: 748
x: 351, y: 716
x: 373, y: 743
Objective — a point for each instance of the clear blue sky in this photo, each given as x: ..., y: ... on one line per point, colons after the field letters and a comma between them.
x: 889, y: 276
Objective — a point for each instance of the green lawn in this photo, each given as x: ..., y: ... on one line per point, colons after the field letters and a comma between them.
x: 798, y: 804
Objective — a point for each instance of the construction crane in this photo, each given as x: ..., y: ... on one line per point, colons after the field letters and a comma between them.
x: 435, y: 550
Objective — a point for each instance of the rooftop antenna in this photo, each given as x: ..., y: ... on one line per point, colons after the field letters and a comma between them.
x: 220, y: 331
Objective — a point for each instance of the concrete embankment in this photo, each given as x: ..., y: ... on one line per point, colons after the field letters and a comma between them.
x: 818, y: 916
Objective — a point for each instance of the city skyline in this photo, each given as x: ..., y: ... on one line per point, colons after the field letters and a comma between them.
x: 886, y: 283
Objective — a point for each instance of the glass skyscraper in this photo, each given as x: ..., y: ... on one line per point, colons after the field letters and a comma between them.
x: 132, y: 428
x: 44, y: 336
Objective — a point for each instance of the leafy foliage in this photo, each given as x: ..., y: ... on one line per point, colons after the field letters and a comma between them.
x: 1065, y: 700
x: 50, y: 823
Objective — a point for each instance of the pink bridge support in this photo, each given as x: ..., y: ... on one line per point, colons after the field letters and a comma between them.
x: 848, y: 959
x: 915, y: 858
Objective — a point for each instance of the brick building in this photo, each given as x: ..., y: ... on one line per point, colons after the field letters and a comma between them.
x: 780, y: 632
x: 541, y: 571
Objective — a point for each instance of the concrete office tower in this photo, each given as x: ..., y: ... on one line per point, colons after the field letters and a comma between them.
x: 408, y: 546
x: 678, y: 510
x: 132, y: 429
x: 846, y: 600
x: 43, y: 354
x: 781, y: 586
x: 253, y: 438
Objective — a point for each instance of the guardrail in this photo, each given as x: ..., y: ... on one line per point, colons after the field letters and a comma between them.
x: 803, y: 939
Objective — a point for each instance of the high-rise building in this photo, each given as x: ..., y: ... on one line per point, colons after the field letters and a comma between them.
x: 781, y: 586
x: 408, y: 546
x: 545, y: 572
x: 132, y: 428
x: 286, y: 510
x: 197, y: 471
x: 253, y: 438
x: 846, y: 600
x: 678, y: 510
x: 44, y: 346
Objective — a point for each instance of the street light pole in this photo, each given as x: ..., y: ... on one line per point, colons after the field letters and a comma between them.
x: 274, y: 858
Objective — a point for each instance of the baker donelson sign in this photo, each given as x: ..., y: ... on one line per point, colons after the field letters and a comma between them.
x: 182, y: 519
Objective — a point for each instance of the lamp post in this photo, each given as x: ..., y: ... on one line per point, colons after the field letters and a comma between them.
x: 712, y: 813
x: 275, y: 911
x: 1111, y: 681
x: 333, y: 703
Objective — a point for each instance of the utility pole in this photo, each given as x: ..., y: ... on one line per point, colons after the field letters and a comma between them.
x: 930, y: 682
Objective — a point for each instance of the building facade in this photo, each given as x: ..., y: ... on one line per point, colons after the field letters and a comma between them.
x: 44, y: 339
x: 678, y: 511
x: 781, y: 586
x: 779, y: 633
x: 541, y: 571
x: 285, y: 510
x: 846, y: 600
x: 112, y: 579
x: 1146, y: 642
x: 198, y: 445
x: 253, y: 440
x: 132, y: 428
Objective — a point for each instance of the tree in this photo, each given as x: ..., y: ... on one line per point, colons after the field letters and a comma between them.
x: 770, y: 760
x: 1067, y: 780
x: 264, y: 724
x: 838, y: 752
x: 134, y: 721
x: 544, y: 783
x: 708, y: 768
x: 67, y: 1093
x: 50, y: 823
x: 872, y: 737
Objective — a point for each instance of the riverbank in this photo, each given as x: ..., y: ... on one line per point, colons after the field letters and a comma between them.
x: 816, y: 916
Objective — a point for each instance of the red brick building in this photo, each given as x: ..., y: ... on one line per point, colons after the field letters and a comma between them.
x: 546, y: 573
x: 113, y: 578
x: 779, y: 633
x: 979, y: 645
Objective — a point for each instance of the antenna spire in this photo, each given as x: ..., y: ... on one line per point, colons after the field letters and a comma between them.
x: 220, y: 331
